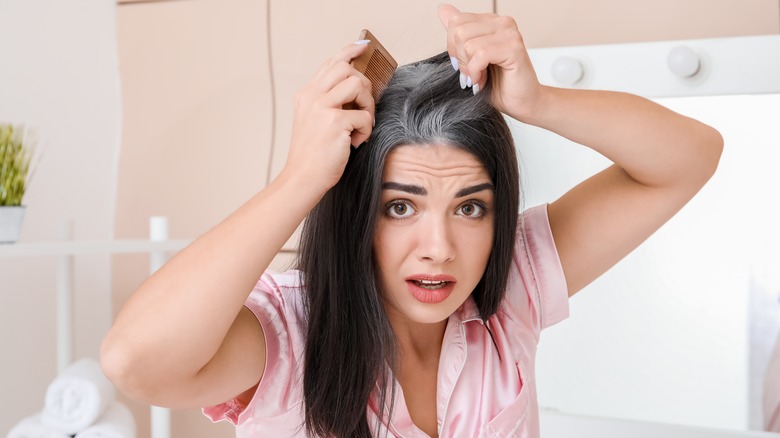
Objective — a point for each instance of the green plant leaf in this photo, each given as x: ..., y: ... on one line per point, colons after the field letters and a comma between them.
x: 15, y: 155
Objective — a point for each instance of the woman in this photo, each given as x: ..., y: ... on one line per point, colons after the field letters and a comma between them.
x: 422, y: 293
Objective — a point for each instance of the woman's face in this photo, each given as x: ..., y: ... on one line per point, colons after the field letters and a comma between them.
x: 435, y: 230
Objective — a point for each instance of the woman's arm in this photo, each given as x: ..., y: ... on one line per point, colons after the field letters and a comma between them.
x: 661, y: 158
x: 184, y: 338
x: 180, y: 332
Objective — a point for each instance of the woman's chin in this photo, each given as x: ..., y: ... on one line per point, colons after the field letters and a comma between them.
x: 423, y: 313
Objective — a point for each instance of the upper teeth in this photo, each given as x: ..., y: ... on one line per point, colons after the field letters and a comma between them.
x: 429, y: 282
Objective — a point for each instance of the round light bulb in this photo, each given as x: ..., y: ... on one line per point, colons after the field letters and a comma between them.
x: 683, y: 61
x: 567, y: 71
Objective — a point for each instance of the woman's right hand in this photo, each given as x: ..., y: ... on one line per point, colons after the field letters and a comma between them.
x: 200, y: 293
x: 323, y: 130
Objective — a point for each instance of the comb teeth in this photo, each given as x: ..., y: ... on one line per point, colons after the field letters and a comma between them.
x: 376, y: 64
x: 378, y: 71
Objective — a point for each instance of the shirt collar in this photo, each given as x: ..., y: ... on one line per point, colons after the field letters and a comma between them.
x: 468, y: 311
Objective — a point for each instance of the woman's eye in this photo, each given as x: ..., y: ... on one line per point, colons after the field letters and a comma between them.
x: 399, y: 209
x: 471, y: 209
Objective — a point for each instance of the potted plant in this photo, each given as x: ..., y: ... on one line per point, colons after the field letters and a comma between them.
x: 15, y: 155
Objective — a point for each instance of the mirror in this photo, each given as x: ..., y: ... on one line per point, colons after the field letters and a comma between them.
x: 681, y: 331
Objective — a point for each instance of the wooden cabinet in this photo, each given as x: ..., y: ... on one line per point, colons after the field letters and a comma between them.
x: 304, y: 34
x: 195, y: 132
x: 196, y: 112
x: 553, y: 23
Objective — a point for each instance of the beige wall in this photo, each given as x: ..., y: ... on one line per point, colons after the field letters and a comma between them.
x: 197, y: 119
x: 58, y: 76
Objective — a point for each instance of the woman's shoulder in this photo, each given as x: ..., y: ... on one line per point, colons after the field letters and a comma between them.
x: 282, y: 293
x: 536, y: 287
x: 277, y: 302
x: 535, y: 254
x: 291, y: 279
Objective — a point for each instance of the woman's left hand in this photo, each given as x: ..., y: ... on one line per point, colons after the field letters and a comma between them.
x: 489, y: 44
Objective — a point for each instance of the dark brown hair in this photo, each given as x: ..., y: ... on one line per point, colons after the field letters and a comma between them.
x: 350, y: 345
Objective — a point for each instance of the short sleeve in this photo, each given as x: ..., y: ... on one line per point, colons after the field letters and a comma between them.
x: 276, y: 302
x: 537, y: 293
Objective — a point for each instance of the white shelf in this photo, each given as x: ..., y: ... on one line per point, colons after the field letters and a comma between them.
x: 91, y: 247
x: 97, y: 247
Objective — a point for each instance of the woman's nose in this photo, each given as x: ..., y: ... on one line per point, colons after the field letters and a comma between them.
x: 435, y: 241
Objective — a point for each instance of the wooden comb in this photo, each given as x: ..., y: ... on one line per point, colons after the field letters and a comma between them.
x: 375, y: 63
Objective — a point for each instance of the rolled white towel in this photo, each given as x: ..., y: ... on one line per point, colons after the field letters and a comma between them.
x: 116, y: 422
x: 31, y: 427
x: 772, y: 391
x: 77, y: 398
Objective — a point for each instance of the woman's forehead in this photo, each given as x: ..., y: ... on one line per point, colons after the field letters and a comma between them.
x: 434, y: 160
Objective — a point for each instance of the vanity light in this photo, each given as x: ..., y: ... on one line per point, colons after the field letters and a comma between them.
x: 683, y: 61
x: 567, y: 71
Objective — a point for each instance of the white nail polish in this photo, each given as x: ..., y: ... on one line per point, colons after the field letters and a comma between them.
x: 468, y: 81
x: 363, y: 42
x: 454, y: 62
x: 462, y: 81
x: 475, y: 90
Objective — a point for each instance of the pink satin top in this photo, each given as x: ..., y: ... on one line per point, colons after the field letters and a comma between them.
x: 484, y: 389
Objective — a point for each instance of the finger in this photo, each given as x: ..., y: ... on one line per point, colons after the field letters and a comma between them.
x: 496, y: 49
x: 489, y: 36
x: 463, y: 35
x: 364, y: 100
x: 447, y: 15
x: 446, y: 11
x: 352, y: 89
x: 360, y: 123
x: 461, y: 27
x: 346, y: 54
x: 336, y: 74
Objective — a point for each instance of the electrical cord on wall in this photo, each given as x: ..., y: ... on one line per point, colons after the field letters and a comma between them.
x: 271, y: 81
x: 134, y: 2
x: 272, y: 94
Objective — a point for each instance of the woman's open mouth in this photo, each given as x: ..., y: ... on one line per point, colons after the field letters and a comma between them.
x: 432, y: 285
x: 430, y: 289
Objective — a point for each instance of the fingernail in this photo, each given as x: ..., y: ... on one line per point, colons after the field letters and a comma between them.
x: 363, y: 42
x: 462, y: 81
x: 454, y: 62
x: 468, y: 81
x: 475, y: 90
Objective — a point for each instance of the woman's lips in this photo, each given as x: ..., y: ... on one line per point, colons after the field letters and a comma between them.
x: 430, y: 288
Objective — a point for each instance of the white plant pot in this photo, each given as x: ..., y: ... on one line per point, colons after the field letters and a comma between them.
x: 11, y: 223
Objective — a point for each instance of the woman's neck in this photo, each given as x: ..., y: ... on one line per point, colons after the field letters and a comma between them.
x: 419, y: 342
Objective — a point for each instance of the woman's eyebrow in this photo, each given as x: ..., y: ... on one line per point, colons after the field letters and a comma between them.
x: 408, y: 188
x: 474, y: 189
x: 419, y: 190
